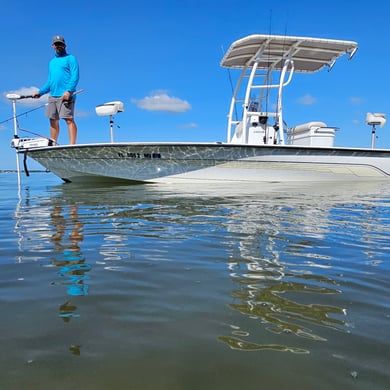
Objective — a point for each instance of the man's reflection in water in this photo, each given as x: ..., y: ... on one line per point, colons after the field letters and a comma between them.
x: 68, y: 256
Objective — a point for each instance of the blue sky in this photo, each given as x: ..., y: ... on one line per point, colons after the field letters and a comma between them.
x: 161, y: 59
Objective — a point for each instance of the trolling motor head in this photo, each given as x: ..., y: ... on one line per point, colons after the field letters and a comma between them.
x: 12, y: 96
x: 375, y: 119
x: 15, y: 96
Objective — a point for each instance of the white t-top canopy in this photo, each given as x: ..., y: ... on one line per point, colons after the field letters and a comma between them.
x: 309, y: 54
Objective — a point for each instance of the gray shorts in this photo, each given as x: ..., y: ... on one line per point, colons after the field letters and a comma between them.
x: 59, y: 109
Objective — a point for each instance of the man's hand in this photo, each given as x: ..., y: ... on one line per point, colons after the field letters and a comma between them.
x: 66, y: 96
x: 36, y: 96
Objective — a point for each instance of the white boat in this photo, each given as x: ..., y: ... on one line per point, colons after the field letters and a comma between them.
x: 260, y: 147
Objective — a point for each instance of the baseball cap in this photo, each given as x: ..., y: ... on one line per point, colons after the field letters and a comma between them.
x: 58, y: 39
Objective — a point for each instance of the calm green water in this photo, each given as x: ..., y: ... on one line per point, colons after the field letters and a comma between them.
x: 162, y: 287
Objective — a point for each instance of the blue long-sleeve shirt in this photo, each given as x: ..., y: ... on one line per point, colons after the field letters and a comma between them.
x: 63, y: 76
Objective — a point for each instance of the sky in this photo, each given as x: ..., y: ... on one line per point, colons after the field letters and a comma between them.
x: 161, y: 58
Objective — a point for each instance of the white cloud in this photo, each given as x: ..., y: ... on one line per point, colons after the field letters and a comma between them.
x: 189, y: 126
x: 81, y: 114
x: 307, y: 100
x: 161, y: 101
x: 356, y: 100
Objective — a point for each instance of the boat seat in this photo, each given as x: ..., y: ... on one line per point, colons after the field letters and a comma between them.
x: 305, y: 127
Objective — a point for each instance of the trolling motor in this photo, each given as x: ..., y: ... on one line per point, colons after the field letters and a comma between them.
x: 110, y: 108
x: 376, y: 119
x: 24, y: 143
x: 13, y: 97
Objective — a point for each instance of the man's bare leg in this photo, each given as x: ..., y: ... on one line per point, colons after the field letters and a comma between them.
x: 54, y: 129
x: 72, y: 129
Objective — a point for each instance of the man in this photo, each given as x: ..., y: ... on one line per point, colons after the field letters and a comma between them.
x: 61, y: 84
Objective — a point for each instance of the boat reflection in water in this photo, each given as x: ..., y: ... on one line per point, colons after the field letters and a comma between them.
x: 281, y: 262
x: 287, y: 268
x: 262, y: 294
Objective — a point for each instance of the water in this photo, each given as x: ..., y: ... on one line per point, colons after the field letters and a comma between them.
x: 162, y: 287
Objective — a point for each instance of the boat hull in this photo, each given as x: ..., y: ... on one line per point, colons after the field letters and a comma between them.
x: 197, y: 162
